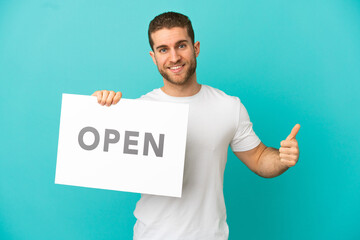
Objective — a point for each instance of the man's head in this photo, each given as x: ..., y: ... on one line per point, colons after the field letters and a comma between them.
x: 171, y: 38
x: 170, y: 20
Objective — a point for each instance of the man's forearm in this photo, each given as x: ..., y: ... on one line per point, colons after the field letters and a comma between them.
x: 269, y: 164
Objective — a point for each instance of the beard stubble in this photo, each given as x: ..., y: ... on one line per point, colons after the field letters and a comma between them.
x: 187, y: 76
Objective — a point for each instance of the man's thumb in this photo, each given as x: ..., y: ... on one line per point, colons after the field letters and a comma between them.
x: 293, y: 133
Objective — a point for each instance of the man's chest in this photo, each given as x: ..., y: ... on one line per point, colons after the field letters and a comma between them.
x: 210, y: 128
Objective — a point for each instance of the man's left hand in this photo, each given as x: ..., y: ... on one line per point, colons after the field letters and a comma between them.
x: 289, y: 150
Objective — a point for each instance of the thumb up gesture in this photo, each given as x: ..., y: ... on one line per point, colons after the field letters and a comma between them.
x: 289, y: 150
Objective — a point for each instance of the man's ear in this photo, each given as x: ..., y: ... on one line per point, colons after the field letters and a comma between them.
x: 152, y: 54
x: 197, y: 48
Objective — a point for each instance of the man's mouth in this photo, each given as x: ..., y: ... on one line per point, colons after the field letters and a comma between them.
x: 177, y: 68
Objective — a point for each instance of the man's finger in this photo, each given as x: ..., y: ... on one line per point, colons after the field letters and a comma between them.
x: 117, y: 97
x: 109, y: 99
x: 104, y: 97
x: 289, y: 163
x: 289, y: 150
x: 289, y: 143
x: 98, y: 95
x: 294, y: 131
x: 288, y: 157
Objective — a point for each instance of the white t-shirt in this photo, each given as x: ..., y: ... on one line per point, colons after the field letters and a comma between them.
x: 215, y: 121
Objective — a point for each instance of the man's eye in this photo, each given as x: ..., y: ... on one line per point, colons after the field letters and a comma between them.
x: 162, y: 50
x: 182, y: 45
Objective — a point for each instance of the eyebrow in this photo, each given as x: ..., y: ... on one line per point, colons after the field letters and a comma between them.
x: 177, y: 43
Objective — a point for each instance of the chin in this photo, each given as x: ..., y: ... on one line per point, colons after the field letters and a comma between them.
x: 179, y: 82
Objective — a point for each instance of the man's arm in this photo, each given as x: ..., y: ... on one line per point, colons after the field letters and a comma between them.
x: 270, y: 162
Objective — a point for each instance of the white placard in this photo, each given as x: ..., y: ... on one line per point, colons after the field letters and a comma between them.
x: 134, y: 146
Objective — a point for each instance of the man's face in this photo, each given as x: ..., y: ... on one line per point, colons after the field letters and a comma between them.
x: 174, y: 54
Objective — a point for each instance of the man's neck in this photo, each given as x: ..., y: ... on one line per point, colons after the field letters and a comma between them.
x: 190, y: 88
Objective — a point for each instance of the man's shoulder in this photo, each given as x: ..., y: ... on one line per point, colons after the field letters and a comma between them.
x: 151, y: 95
x: 219, y: 94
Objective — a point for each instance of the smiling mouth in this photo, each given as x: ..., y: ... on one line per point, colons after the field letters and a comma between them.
x: 176, y: 68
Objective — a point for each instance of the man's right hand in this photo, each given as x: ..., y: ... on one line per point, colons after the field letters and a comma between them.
x: 107, y: 98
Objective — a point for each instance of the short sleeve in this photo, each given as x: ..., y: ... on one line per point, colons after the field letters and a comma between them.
x: 244, y: 138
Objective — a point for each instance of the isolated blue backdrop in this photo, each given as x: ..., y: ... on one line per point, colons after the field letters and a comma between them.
x: 288, y: 61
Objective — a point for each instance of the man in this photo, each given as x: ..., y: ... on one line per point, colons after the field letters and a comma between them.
x: 216, y: 121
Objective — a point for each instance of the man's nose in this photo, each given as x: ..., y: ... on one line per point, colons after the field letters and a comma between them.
x: 174, y: 56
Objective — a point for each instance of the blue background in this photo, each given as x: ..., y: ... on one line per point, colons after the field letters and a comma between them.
x: 288, y: 61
